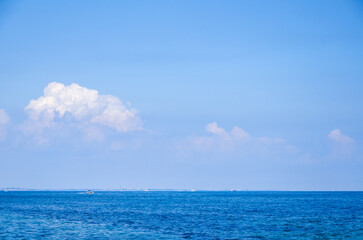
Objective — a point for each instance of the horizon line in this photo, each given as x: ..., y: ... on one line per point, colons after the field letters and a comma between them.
x: 14, y: 189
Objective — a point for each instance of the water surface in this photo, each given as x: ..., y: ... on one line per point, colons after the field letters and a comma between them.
x: 181, y: 215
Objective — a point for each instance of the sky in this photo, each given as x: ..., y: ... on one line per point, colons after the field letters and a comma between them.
x: 250, y: 95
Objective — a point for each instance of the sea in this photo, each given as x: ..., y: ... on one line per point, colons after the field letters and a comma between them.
x: 181, y: 215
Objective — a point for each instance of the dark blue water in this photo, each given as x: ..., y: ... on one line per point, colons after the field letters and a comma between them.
x: 181, y: 215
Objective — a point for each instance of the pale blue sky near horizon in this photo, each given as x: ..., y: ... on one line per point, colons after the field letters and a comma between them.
x: 288, y: 73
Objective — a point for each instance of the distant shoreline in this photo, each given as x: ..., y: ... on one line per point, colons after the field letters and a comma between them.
x: 161, y: 190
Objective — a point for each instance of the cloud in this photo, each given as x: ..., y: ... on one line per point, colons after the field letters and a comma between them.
x: 213, y: 128
x: 221, y: 140
x: 4, y: 117
x: 336, y: 136
x: 341, y: 146
x: 4, y: 120
x: 85, y: 105
x: 236, y: 133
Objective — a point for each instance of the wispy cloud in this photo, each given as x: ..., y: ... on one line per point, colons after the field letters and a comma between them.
x: 341, y: 145
x: 336, y: 136
x: 4, y: 117
x: 222, y: 140
x: 4, y: 120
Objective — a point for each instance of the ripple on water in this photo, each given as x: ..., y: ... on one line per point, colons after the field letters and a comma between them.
x: 182, y: 215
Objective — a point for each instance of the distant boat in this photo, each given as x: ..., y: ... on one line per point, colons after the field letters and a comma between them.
x: 192, y: 190
x: 90, y: 192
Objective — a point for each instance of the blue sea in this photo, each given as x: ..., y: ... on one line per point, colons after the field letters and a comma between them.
x: 181, y: 215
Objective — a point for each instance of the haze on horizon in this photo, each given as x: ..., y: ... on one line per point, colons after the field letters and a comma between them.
x: 181, y: 95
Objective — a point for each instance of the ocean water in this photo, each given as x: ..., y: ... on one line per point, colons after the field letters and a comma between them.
x: 181, y: 215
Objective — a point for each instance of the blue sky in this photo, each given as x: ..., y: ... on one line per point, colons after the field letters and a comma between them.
x: 255, y: 95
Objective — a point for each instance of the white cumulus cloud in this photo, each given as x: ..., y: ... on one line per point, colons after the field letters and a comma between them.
x: 85, y: 105
x: 4, y: 120
x: 336, y: 136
